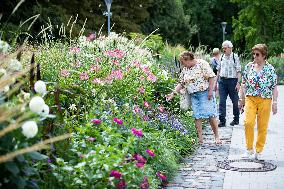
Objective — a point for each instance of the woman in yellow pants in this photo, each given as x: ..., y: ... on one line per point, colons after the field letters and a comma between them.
x: 259, y: 93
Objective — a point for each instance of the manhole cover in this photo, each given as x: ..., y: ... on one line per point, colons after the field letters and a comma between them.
x: 246, y: 165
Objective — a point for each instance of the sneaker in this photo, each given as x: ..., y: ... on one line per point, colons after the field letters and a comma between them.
x: 222, y: 124
x: 258, y: 156
x: 234, y: 122
x: 248, y: 154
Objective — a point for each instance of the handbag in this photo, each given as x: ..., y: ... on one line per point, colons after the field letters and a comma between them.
x: 185, y: 100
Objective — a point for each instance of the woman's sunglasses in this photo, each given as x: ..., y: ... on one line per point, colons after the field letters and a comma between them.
x: 256, y: 54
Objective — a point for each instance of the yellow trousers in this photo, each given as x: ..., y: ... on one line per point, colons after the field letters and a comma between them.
x: 256, y: 107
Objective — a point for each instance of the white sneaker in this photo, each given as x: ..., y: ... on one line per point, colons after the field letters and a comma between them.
x: 258, y: 156
x: 248, y: 154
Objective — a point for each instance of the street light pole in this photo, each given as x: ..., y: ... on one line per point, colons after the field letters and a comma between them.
x: 108, y: 14
x: 224, y: 29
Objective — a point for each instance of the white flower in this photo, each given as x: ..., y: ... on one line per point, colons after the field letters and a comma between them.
x: 30, y: 129
x: 15, y: 65
x: 4, y: 46
x: 45, y: 110
x: 5, y: 89
x: 37, y: 104
x: 164, y: 74
x: 40, y: 87
x: 72, y: 107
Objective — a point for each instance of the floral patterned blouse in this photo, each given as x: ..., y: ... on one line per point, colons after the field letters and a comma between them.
x: 197, y: 77
x: 259, y: 83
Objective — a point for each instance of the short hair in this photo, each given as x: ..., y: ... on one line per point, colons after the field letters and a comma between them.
x: 216, y: 51
x: 187, y: 55
x: 262, y: 48
x: 227, y: 44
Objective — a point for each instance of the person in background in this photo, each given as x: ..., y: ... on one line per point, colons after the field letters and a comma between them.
x: 198, y: 78
x: 258, y: 93
x: 228, y: 78
x: 215, y: 60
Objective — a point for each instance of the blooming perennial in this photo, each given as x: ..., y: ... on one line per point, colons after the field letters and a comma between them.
x: 40, y: 87
x: 115, y: 173
x: 37, y: 104
x: 29, y: 129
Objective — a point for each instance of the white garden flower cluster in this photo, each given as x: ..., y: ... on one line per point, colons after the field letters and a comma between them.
x: 36, y: 105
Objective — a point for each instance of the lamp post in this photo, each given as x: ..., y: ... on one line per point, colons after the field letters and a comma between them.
x: 108, y: 14
x: 224, y: 29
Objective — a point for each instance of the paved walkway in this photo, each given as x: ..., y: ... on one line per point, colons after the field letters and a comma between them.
x: 199, y: 171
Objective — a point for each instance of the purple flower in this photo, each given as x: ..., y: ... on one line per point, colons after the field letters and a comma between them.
x: 91, y: 139
x: 115, y: 173
x: 145, y: 183
x: 121, y: 184
x: 136, y: 132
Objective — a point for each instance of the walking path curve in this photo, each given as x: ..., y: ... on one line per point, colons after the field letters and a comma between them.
x: 200, y: 170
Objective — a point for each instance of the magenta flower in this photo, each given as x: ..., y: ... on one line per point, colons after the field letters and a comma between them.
x: 150, y: 152
x: 96, y: 121
x: 140, y: 165
x: 146, y: 118
x: 145, y: 183
x: 118, y: 121
x: 121, y: 184
x: 146, y: 69
x: 161, y: 176
x: 115, y: 173
x: 117, y: 74
x: 136, y: 109
x: 136, y: 132
x: 139, y: 158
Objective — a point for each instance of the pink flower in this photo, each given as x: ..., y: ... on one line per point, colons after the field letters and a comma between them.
x: 118, y: 121
x: 136, y: 109
x: 145, y: 183
x: 91, y: 139
x: 146, y: 69
x: 152, y: 77
x: 117, y: 74
x: 98, y: 59
x: 136, y: 132
x: 97, y: 81
x: 84, y: 76
x: 64, y: 73
x: 96, y: 121
x: 95, y: 68
x: 115, y: 62
x: 136, y: 64
x: 146, y: 104
x: 115, y: 173
x: 121, y: 184
x: 161, y: 108
x: 75, y: 50
x: 161, y: 176
x: 91, y: 37
x: 150, y: 152
x: 77, y: 64
x: 141, y: 90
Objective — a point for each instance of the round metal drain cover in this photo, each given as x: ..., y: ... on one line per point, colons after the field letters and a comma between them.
x: 246, y: 165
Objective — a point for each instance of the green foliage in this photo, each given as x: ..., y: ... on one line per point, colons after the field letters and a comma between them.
x: 260, y: 22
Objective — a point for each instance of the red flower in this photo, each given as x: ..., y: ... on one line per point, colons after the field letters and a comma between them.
x: 115, y: 173
x: 96, y: 121
x: 150, y: 152
x: 161, y: 176
x: 121, y: 184
x: 118, y: 121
